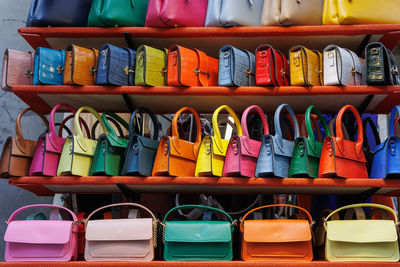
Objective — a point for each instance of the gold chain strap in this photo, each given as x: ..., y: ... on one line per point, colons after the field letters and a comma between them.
x: 155, y: 224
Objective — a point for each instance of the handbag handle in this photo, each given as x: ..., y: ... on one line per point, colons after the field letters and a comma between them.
x: 82, y: 121
x: 175, y: 134
x: 15, y: 213
x: 396, y: 109
x: 117, y: 118
x: 310, y: 133
x: 53, y: 134
x: 277, y: 123
x: 116, y: 124
x: 372, y: 125
x: 153, y: 119
x: 262, y: 116
x: 314, y: 124
x: 217, y: 133
x: 333, y: 132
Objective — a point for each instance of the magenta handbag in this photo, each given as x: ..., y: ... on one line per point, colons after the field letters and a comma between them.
x: 42, y: 240
x: 242, y: 153
x: 174, y: 13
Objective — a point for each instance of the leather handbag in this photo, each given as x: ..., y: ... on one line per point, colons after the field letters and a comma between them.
x: 242, y: 153
x: 151, y: 66
x: 17, y: 152
x: 361, y: 12
x: 277, y: 240
x: 111, y: 13
x: 191, y: 67
x: 362, y: 240
x: 175, y: 156
x: 343, y: 158
x: 41, y: 240
x: 58, y: 13
x: 48, y: 66
x: 176, y: 13
x: 116, y: 66
x: 381, y: 65
x: 198, y: 240
x: 368, y: 152
x: 276, y: 151
x: 78, y: 152
x: 272, y: 67
x: 121, y: 239
x: 226, y: 13
x: 17, y: 69
x: 210, y: 161
x: 342, y: 67
x: 292, y: 12
x: 307, y: 150
x: 236, y: 67
x: 141, y: 150
x: 80, y: 65
x: 305, y: 66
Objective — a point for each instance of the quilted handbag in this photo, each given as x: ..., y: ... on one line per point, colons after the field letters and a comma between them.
x: 17, y: 152
x: 307, y: 150
x: 272, y: 67
x: 236, y: 67
x: 275, y: 151
x: 368, y: 152
x: 198, y: 240
x: 41, y: 240
x: 211, y: 158
x: 305, y: 66
x: 233, y: 13
x: 48, y: 66
x: 362, y: 240
x: 340, y: 157
x: 242, y: 153
x: 116, y: 66
x: 175, y: 156
x: 277, y: 240
x: 121, y: 239
x: 121, y: 13
x: 17, y: 69
x: 141, y: 150
x: 151, y: 66
x: 80, y: 65
x: 191, y: 67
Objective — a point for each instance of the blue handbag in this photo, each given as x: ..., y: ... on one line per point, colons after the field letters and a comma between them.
x: 236, y: 67
x: 368, y: 147
x: 48, y: 66
x: 116, y: 66
x: 275, y: 151
x: 141, y: 151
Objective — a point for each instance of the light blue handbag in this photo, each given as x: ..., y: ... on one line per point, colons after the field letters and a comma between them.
x: 48, y: 66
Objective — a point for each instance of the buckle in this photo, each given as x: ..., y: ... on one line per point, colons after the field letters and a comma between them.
x: 197, y: 72
x: 93, y: 70
x: 127, y: 70
x: 375, y: 51
x: 60, y: 69
x: 28, y: 73
x: 248, y: 72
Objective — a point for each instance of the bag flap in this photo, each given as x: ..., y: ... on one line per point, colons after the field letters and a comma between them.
x: 285, y: 150
x: 198, y: 231
x: 216, y: 150
x: 56, y: 146
x: 204, y: 74
x: 384, y: 144
x: 117, y: 141
x: 89, y: 149
x: 147, y: 142
x: 185, y: 149
x: 249, y: 147
x: 29, y: 150
x: 348, y: 151
x: 313, y: 151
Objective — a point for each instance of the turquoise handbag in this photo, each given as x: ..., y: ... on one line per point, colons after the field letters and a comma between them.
x: 198, y: 240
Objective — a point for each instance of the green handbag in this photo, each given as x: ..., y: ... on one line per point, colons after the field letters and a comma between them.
x: 198, y: 240
x: 307, y: 150
x: 110, y: 13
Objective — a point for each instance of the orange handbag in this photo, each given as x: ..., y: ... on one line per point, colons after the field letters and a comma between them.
x: 175, y: 156
x: 191, y: 67
x: 277, y: 240
x: 340, y: 157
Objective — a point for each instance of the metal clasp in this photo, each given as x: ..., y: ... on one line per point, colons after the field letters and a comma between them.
x: 330, y: 150
x: 28, y: 73
x: 248, y: 72
x: 235, y: 147
x: 392, y: 147
x: 127, y: 70
x: 92, y: 70
x: 197, y: 72
x: 60, y: 69
x: 135, y: 148
x: 165, y: 148
x: 268, y: 147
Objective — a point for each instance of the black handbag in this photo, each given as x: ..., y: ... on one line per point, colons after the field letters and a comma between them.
x: 369, y: 155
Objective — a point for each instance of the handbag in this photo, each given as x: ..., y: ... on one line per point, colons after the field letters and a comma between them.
x: 233, y: 13
x: 121, y: 13
x: 175, y: 156
x: 151, y: 66
x: 343, y: 158
x: 191, y: 67
x: 121, y: 239
x: 116, y: 66
x: 141, y: 151
x: 212, y: 152
x: 307, y: 150
x: 272, y: 67
x: 17, y: 152
x: 305, y: 66
x: 362, y: 240
x: 368, y: 152
x: 275, y: 151
x: 17, y: 69
x: 236, y: 67
x: 242, y: 152
x: 198, y: 240
x: 174, y: 13
x: 292, y: 12
x: 277, y: 240
x: 41, y: 240
x: 48, y: 66
x: 80, y: 65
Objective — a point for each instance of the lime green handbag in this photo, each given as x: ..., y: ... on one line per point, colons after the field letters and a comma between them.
x: 151, y: 66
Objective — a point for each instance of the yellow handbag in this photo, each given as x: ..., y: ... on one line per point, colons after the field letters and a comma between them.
x: 361, y: 12
x: 151, y: 66
x: 362, y: 240
x: 305, y: 66
x: 211, y: 158
x: 78, y: 151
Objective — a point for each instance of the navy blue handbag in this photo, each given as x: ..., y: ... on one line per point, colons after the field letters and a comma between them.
x: 368, y: 147
x: 48, y: 66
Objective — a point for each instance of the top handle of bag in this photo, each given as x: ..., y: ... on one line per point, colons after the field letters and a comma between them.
x: 262, y: 116
x: 370, y: 121
x: 339, y: 132
x: 53, y: 134
x: 117, y: 118
x: 15, y: 213
x: 82, y: 121
x: 217, y: 134
x: 277, y: 123
x: 393, y: 116
x: 310, y: 133
x: 153, y: 119
x: 175, y: 133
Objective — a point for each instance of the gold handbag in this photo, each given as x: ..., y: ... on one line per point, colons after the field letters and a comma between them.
x: 305, y: 66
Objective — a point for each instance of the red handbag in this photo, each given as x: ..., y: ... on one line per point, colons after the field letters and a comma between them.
x: 272, y: 67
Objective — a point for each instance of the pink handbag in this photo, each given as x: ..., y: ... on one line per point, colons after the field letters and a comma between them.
x: 42, y: 240
x: 17, y: 69
x: 173, y: 13
x: 242, y: 153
